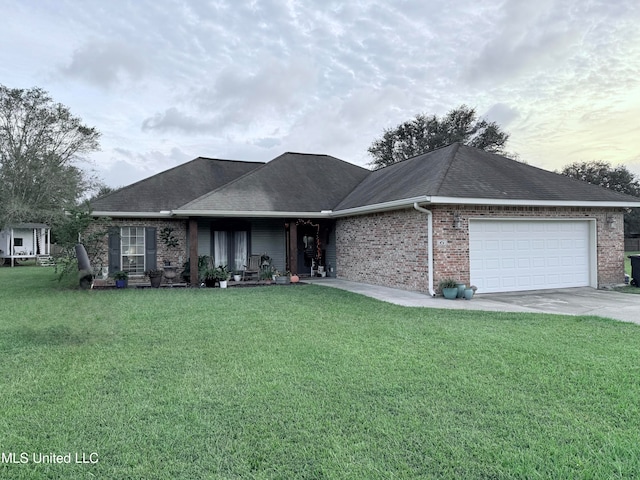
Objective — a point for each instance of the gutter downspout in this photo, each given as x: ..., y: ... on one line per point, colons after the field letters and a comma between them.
x: 430, y: 244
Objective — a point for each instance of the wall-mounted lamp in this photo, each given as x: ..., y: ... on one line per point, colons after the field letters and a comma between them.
x: 456, y: 220
x: 610, y: 220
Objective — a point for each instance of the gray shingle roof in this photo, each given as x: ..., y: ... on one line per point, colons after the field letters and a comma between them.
x: 292, y: 182
x: 174, y: 187
x: 465, y: 172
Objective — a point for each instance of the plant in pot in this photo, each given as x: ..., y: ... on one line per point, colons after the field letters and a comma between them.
x: 449, y: 288
x: 222, y: 274
x: 237, y: 276
x: 155, y: 277
x: 283, y: 279
x: 121, y: 278
x: 469, y: 292
x: 267, y: 273
x: 210, y: 277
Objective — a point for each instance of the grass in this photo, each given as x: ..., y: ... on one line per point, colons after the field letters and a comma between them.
x: 308, y: 382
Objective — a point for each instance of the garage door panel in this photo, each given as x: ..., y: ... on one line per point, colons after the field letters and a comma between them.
x: 512, y: 255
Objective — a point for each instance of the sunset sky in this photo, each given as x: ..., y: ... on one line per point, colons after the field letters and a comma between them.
x: 167, y: 81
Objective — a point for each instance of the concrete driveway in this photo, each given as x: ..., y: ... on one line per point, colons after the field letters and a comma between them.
x: 569, y: 301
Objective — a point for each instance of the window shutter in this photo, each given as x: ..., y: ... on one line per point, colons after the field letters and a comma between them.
x: 150, y: 248
x: 114, y: 250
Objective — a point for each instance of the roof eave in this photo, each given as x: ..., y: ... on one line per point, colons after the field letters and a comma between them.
x: 382, y: 207
x: 161, y: 214
x: 535, y: 203
x: 252, y: 213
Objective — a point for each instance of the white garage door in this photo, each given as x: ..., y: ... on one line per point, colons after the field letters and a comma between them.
x: 514, y: 255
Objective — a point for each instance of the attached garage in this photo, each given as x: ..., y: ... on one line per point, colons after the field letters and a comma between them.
x: 509, y: 255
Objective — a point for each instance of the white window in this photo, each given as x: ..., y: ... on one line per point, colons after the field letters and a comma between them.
x: 132, y: 250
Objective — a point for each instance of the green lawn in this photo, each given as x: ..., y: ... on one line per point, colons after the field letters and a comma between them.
x: 307, y: 382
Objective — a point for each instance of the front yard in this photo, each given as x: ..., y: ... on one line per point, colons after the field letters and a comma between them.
x: 306, y: 382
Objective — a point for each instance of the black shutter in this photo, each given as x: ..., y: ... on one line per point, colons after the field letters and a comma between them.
x: 114, y: 250
x: 150, y: 248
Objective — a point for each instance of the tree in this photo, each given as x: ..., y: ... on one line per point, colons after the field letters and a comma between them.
x: 41, y: 144
x: 424, y: 133
x: 619, y: 179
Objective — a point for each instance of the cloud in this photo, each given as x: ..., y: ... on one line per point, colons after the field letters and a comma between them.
x: 174, y: 119
x: 105, y: 63
x: 127, y: 166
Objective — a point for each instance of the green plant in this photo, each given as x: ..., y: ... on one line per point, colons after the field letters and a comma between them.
x: 267, y: 272
x: 222, y: 273
x: 120, y: 275
x: 167, y: 237
x: 448, y: 283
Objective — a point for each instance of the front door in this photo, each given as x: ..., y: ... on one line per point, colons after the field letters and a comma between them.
x: 307, y: 248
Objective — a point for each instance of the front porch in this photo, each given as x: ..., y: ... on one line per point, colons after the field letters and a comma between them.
x: 27, y: 241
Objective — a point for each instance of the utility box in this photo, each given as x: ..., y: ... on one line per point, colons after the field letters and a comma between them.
x: 635, y: 270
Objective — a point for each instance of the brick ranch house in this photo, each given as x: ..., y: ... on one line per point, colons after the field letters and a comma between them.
x: 455, y: 212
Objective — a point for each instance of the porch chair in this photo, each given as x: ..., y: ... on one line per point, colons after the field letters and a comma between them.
x: 252, y: 268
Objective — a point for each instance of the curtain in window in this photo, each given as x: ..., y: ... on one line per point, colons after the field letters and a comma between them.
x: 240, y: 250
x: 220, y: 248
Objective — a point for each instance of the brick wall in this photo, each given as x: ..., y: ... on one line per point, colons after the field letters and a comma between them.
x: 390, y: 248
x: 176, y: 255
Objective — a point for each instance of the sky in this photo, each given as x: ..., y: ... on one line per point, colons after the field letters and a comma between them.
x: 166, y: 81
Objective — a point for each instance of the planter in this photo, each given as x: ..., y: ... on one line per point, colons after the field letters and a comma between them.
x: 461, y: 288
x: 121, y: 283
x: 169, y: 273
x: 450, y: 293
x: 223, y: 283
x: 468, y: 293
x: 236, y: 278
x: 155, y: 280
x: 210, y: 282
x: 282, y: 280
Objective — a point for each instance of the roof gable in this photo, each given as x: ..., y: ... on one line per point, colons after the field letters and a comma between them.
x: 174, y: 187
x: 292, y: 182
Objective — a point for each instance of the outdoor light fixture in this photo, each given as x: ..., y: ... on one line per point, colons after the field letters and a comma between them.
x: 610, y: 220
x: 456, y: 220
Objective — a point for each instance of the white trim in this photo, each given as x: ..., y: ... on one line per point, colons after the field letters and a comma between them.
x: 365, y: 209
x: 532, y: 203
x: 382, y: 207
x: 250, y: 213
x: 163, y: 214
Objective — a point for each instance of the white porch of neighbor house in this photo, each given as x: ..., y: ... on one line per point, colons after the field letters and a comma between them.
x: 26, y: 241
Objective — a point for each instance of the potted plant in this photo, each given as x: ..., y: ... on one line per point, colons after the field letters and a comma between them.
x: 210, y: 277
x: 237, y: 276
x: 155, y: 277
x: 121, y: 279
x: 469, y: 292
x: 283, y: 279
x: 449, y: 288
x: 222, y: 274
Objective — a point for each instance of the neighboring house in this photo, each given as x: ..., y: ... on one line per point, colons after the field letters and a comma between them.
x: 25, y: 241
x: 455, y: 212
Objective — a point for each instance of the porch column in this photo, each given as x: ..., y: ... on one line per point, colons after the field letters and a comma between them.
x: 11, y: 247
x: 193, y: 251
x: 292, y: 254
